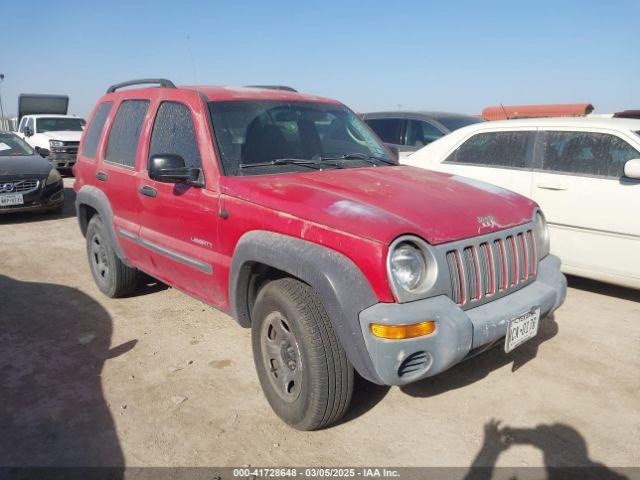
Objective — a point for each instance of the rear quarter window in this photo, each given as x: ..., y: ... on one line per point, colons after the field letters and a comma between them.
x: 94, y: 130
x: 122, y: 146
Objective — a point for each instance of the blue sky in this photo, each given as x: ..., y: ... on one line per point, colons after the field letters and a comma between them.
x: 457, y: 55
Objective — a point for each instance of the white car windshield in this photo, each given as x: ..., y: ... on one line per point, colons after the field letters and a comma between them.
x: 54, y: 124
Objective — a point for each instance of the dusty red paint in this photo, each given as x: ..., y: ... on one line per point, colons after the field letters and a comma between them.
x: 357, y: 212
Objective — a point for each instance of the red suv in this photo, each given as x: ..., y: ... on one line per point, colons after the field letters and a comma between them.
x: 287, y: 212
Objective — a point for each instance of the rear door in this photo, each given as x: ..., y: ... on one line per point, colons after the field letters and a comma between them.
x: 116, y: 174
x: 591, y: 207
x: 179, y: 222
x: 503, y: 158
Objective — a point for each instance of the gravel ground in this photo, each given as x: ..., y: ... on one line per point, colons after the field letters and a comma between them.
x: 160, y: 379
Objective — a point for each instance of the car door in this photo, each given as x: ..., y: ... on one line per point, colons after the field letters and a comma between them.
x: 179, y: 221
x: 591, y: 207
x: 502, y: 158
x: 116, y: 173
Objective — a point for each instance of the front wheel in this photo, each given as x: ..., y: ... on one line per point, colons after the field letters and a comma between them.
x: 303, y: 369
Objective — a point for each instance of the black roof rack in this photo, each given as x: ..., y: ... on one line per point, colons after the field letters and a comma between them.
x: 273, y: 87
x: 162, y: 82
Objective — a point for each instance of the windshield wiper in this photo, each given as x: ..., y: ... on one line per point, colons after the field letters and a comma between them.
x: 360, y: 156
x: 282, y: 161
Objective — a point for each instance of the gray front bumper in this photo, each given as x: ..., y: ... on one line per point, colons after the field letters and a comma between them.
x: 457, y: 331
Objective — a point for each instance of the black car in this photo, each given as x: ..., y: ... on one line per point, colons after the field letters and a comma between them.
x: 28, y: 182
x: 410, y: 131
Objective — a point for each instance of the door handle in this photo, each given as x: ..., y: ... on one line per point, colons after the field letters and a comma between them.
x: 148, y: 191
x: 552, y: 186
x: 102, y: 176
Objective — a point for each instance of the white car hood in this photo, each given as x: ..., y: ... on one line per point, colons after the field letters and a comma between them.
x: 63, y: 135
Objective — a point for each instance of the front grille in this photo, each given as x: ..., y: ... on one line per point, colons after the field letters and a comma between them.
x: 18, y: 186
x: 67, y: 147
x: 486, y: 268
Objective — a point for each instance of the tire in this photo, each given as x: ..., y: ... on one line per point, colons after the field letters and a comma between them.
x: 112, y: 276
x: 303, y: 369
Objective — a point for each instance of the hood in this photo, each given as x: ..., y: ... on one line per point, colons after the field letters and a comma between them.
x: 24, y: 166
x: 64, y: 135
x: 383, y: 203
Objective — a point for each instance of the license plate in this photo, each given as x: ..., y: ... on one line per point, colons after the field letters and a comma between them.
x: 521, y: 329
x: 9, y: 200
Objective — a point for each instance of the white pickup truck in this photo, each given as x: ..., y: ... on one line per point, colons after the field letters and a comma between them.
x: 45, y: 126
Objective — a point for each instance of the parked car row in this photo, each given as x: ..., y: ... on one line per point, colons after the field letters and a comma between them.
x: 286, y: 211
x: 27, y: 181
x: 583, y: 172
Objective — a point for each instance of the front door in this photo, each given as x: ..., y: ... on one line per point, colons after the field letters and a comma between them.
x: 179, y: 221
x: 590, y: 206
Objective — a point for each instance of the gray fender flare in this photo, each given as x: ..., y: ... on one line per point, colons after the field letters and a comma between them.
x: 96, y: 199
x: 342, y: 287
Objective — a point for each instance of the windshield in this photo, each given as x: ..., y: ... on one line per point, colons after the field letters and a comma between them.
x: 54, y: 124
x: 13, y: 146
x: 283, y: 136
x: 454, y: 122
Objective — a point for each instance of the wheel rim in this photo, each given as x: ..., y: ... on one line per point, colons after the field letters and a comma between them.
x: 281, y: 356
x: 99, y: 258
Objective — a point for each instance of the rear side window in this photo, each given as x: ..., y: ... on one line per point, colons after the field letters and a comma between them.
x: 494, y: 149
x: 125, y: 132
x: 586, y: 153
x: 388, y: 129
x: 174, y: 132
x: 94, y: 130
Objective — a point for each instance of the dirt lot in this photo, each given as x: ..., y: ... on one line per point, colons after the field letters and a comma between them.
x: 161, y: 379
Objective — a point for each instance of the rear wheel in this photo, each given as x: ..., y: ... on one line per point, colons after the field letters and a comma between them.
x: 112, y: 276
x: 303, y: 369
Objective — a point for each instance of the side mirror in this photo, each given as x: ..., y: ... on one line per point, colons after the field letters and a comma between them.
x: 170, y: 168
x: 28, y: 132
x: 632, y: 168
x: 43, y: 152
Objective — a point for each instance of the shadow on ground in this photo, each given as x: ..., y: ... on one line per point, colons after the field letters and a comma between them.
x: 564, y: 451
x: 479, y: 367
x: 54, y: 341
x: 601, y: 288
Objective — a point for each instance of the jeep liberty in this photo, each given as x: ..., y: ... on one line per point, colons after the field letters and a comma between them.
x: 287, y: 212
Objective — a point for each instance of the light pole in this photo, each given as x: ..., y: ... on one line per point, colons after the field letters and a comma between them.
x: 1, y: 109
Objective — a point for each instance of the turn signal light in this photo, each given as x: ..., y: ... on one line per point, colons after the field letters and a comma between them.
x: 399, y: 332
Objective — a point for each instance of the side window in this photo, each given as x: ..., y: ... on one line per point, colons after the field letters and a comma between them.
x: 94, y: 130
x: 420, y: 133
x: 586, y: 153
x: 31, y: 124
x: 495, y: 149
x: 122, y: 145
x: 23, y: 122
x: 388, y: 129
x: 174, y: 132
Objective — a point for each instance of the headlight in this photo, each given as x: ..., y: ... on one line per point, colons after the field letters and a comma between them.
x: 55, y: 143
x: 412, y: 268
x: 54, y: 177
x: 408, y: 266
x: 542, y: 235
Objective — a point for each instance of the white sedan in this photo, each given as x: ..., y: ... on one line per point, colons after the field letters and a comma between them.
x: 583, y: 172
